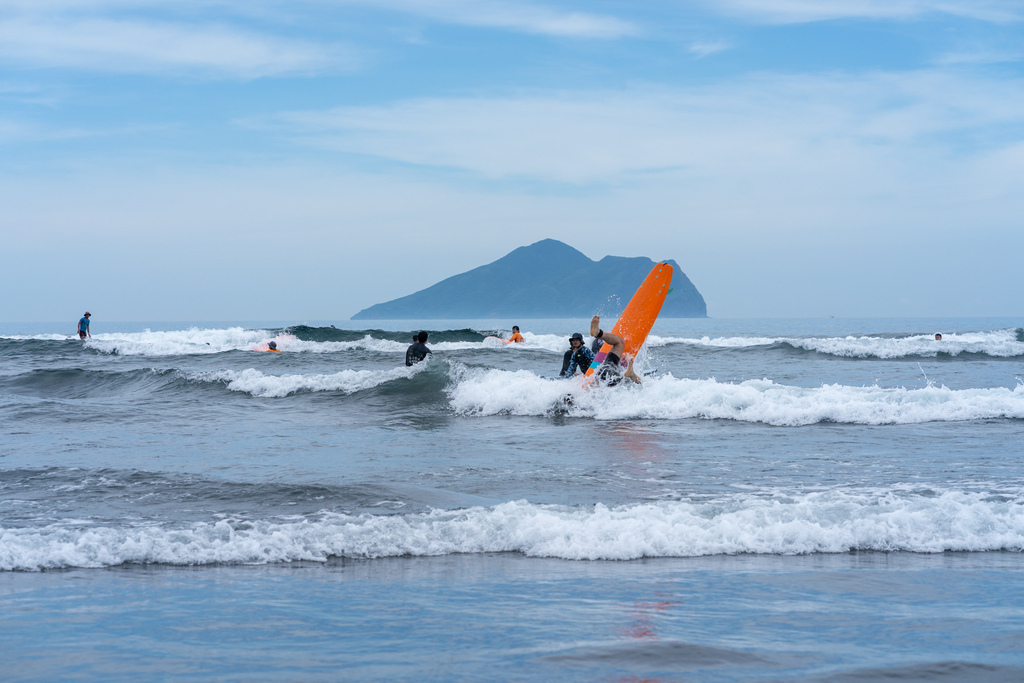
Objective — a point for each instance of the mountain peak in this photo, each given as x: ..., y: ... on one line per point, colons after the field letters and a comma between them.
x: 554, y: 280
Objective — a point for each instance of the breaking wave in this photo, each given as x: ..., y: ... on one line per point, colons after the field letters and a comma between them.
x: 1007, y: 343
x: 493, y: 392
x: 256, y: 383
x: 796, y: 523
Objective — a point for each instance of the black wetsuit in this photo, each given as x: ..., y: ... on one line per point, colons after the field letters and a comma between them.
x: 565, y: 362
x: 610, y: 371
x: 415, y: 353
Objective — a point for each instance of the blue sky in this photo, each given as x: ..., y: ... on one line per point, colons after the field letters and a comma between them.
x: 300, y: 161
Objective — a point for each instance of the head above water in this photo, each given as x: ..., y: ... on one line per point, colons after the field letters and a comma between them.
x: 515, y: 328
x: 272, y: 345
x: 938, y: 337
x: 421, y: 337
x: 576, y: 337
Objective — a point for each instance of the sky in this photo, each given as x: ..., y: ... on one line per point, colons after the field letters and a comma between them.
x: 302, y: 160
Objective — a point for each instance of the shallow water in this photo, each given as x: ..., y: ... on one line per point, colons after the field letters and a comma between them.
x: 834, y: 499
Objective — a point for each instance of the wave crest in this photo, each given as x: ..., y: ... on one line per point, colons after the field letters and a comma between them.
x: 816, y: 522
x: 492, y: 392
x: 256, y: 383
x: 997, y: 344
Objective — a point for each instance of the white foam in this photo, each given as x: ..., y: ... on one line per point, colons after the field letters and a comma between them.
x: 769, y: 523
x: 38, y: 337
x: 209, y: 341
x: 492, y: 392
x: 996, y: 343
x: 184, y: 342
x: 716, y: 342
x: 256, y: 383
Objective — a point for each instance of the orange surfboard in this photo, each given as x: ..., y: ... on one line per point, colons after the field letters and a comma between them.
x: 636, y: 321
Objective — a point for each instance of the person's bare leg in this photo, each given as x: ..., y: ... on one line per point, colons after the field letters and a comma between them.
x: 630, y: 374
x: 618, y: 345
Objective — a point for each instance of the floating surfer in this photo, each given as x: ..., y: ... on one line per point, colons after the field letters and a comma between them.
x: 272, y: 347
x: 83, y: 326
x: 515, y: 338
x: 417, y: 351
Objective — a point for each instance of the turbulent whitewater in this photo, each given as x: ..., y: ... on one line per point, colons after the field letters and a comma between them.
x: 836, y: 441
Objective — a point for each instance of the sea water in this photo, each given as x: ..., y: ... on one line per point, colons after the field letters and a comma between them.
x: 818, y: 499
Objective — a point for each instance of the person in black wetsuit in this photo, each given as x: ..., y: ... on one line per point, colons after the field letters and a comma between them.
x: 578, y: 356
x: 610, y: 372
x: 418, y: 350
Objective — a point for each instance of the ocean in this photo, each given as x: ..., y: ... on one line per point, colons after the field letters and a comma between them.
x: 827, y: 499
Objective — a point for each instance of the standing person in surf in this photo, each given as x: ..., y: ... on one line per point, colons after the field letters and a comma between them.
x: 83, y: 326
x: 417, y: 351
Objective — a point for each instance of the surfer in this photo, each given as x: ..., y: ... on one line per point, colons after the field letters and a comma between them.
x: 516, y: 337
x: 272, y: 346
x: 610, y: 371
x: 578, y: 356
x: 938, y: 337
x: 83, y: 326
x: 417, y: 351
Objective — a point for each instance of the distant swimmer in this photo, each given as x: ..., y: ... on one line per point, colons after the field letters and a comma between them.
x: 577, y: 357
x: 938, y: 337
x: 418, y: 351
x: 272, y: 346
x: 516, y: 337
x: 83, y: 326
x: 610, y: 371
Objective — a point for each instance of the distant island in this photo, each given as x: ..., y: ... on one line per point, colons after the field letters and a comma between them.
x: 548, y: 279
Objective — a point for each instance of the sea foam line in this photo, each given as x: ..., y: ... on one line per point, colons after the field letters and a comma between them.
x: 996, y: 343
x: 256, y: 383
x: 493, y: 392
x: 816, y: 522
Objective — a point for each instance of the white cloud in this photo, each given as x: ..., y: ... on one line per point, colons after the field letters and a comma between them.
x: 763, y: 121
x: 708, y: 48
x: 800, y: 11
x: 13, y: 131
x: 200, y: 38
x: 516, y: 16
x: 148, y: 46
x: 513, y: 15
